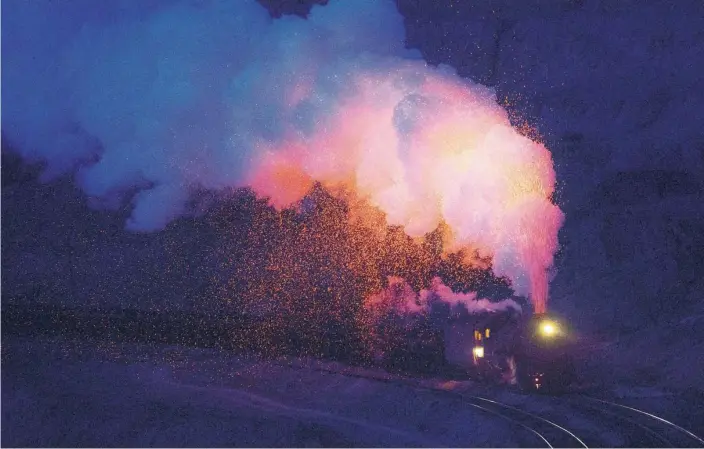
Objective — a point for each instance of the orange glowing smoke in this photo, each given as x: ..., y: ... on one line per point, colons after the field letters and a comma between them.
x: 426, y: 147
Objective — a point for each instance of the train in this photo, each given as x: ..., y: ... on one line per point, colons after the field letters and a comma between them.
x: 533, y: 353
x: 536, y: 353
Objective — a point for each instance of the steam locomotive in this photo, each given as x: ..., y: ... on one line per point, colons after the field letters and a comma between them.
x: 536, y: 354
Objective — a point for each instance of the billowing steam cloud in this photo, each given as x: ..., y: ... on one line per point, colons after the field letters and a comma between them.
x: 168, y: 97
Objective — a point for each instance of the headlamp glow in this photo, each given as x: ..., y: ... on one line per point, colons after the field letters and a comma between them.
x: 549, y: 328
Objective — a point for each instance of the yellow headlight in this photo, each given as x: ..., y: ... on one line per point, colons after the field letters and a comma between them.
x: 478, y: 351
x: 549, y: 329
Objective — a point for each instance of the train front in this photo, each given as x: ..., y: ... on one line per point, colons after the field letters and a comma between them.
x: 544, y: 355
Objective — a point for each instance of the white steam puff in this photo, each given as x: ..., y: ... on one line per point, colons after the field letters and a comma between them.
x: 171, y: 96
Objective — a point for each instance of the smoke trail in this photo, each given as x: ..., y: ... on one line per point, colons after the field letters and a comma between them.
x: 401, y: 298
x: 390, y: 316
x: 168, y: 97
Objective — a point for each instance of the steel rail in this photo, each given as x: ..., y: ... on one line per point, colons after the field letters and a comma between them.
x: 652, y: 416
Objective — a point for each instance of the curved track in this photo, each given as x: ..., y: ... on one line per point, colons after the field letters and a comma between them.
x: 646, y: 429
x: 551, y: 433
x: 541, y: 437
x: 542, y: 432
x: 559, y: 435
x: 636, y: 428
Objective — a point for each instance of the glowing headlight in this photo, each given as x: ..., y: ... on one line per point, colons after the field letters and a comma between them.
x: 548, y: 329
x: 478, y: 351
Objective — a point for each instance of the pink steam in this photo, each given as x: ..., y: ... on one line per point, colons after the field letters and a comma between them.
x: 426, y: 147
x: 182, y: 97
x: 400, y: 297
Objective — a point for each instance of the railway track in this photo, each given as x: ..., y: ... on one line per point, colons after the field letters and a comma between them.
x: 644, y: 429
x: 541, y: 432
x: 549, y: 433
x: 638, y: 428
